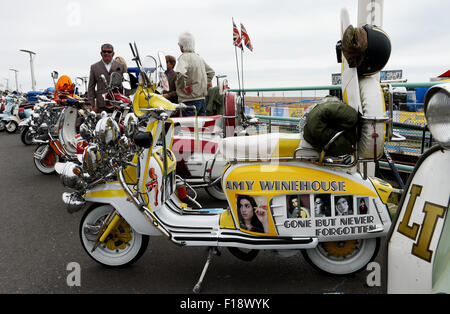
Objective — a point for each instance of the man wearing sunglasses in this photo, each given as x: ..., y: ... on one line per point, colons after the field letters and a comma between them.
x: 96, y: 87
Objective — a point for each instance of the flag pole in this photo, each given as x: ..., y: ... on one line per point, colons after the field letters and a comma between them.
x: 237, y: 61
x: 237, y: 67
x: 247, y: 43
x: 242, y: 69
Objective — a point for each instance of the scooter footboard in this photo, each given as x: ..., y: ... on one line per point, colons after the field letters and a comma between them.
x: 202, y: 227
x: 241, y: 240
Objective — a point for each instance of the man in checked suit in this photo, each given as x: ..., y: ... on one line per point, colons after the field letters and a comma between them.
x: 106, y: 66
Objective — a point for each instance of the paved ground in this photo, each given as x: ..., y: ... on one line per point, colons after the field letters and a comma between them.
x: 39, y: 238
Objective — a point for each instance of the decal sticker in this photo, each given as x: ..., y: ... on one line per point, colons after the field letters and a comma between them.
x: 271, y: 185
x: 252, y: 213
x: 322, y: 205
x: 298, y: 206
x: 325, y: 215
x: 343, y: 205
x: 153, y: 184
x: 432, y: 212
x: 363, y: 205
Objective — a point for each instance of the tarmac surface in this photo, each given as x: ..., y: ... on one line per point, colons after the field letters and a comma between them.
x: 39, y: 239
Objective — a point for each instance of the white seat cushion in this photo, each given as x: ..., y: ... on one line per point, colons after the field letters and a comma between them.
x: 265, y: 147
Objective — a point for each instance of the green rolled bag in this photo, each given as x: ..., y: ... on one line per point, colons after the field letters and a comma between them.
x: 325, y: 120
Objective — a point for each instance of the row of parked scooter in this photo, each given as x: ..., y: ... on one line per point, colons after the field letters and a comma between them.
x: 286, y: 193
x: 61, y: 125
x: 14, y: 108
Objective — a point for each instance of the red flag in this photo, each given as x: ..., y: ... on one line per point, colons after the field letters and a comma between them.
x: 245, y: 38
x: 236, y: 36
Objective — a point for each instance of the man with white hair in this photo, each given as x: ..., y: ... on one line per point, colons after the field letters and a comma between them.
x: 194, y: 76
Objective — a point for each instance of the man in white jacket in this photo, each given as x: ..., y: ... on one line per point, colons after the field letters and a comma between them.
x: 194, y: 76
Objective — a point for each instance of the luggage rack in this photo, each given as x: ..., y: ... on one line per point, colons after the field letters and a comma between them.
x: 340, y: 161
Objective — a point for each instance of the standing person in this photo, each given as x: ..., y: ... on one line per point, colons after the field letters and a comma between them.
x: 96, y: 86
x: 121, y: 60
x: 171, y: 94
x: 194, y: 76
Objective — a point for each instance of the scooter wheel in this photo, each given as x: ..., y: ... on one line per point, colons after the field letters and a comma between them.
x: 342, y: 257
x: 121, y: 248
x: 2, y: 126
x: 47, y: 164
x: 215, y: 191
x: 11, y: 127
x: 26, y: 137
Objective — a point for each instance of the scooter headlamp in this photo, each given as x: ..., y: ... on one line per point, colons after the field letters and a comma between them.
x: 44, y: 127
x: 91, y: 159
x: 107, y: 130
x: 72, y: 176
x: 35, y: 117
x: 85, y: 132
x: 130, y: 125
x: 437, y: 113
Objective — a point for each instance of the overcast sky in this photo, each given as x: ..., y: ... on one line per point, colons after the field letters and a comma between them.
x: 294, y: 40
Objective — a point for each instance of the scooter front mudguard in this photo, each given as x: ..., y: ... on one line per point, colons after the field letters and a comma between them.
x: 112, y: 193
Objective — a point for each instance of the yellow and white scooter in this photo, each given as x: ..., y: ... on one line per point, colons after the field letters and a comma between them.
x: 282, y: 195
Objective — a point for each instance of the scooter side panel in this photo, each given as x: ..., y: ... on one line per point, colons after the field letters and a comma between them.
x: 290, y: 191
x: 11, y: 118
x: 415, y: 234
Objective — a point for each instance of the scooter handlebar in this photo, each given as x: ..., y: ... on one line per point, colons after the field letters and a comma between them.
x: 184, y: 106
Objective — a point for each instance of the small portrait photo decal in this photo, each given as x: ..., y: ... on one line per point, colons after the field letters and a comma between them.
x: 322, y: 205
x: 253, y: 213
x: 363, y: 205
x: 298, y: 206
x: 343, y: 205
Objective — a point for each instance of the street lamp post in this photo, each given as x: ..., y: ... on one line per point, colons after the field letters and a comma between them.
x: 84, y: 80
x: 33, y: 81
x: 15, y: 74
x: 7, y: 83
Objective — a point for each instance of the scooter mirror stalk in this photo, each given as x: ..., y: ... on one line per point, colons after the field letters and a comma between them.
x: 162, y: 60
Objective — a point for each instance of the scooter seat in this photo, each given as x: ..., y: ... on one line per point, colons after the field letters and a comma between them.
x: 266, y: 147
x: 206, y: 124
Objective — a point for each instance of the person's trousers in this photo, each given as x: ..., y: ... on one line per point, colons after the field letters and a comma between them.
x: 199, y: 104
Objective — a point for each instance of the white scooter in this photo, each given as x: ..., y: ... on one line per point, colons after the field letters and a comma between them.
x: 44, y: 116
x: 67, y: 142
x: 13, y: 115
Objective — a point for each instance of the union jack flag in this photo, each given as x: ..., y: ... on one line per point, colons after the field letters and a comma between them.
x: 236, y: 36
x: 245, y: 38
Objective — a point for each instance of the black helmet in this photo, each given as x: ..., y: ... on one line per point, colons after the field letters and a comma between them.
x: 378, y: 51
